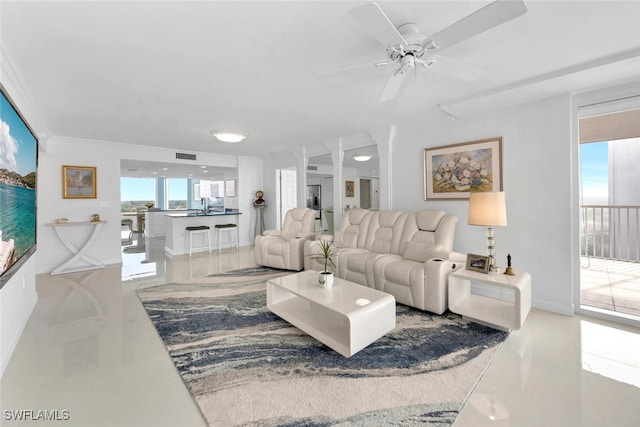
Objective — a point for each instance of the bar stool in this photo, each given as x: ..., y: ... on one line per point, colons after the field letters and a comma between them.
x: 226, y: 227
x: 198, y: 229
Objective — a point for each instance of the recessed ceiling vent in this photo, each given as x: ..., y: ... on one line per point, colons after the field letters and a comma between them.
x: 185, y: 156
x: 312, y: 168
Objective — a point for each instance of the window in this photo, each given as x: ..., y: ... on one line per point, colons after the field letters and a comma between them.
x: 177, y: 193
x: 136, y: 193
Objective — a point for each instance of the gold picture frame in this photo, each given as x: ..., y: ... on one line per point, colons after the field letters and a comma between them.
x: 452, y: 172
x: 79, y: 182
x: 349, y: 188
x: 479, y: 263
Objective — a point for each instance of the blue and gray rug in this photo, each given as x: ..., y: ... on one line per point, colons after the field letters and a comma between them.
x: 245, y: 366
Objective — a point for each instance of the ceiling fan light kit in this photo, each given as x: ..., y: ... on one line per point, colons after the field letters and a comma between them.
x: 406, y: 45
x: 229, y: 136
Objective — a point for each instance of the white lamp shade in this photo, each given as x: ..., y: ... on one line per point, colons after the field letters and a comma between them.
x: 487, y: 209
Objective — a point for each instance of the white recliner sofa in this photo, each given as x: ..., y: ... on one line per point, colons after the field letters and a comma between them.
x: 347, y: 236
x: 408, y: 255
x: 285, y: 249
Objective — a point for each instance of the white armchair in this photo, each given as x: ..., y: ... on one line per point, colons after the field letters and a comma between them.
x: 284, y: 249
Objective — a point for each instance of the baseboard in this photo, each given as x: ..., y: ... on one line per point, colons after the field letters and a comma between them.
x: 554, y: 307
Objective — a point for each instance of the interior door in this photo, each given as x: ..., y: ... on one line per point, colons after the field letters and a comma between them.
x: 286, y: 193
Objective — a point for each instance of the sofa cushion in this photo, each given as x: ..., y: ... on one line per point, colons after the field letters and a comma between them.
x: 345, y: 239
x: 421, y: 252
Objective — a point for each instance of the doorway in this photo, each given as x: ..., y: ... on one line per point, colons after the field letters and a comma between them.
x: 610, y: 214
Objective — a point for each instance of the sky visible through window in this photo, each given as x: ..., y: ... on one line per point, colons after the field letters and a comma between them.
x: 145, y: 189
x: 594, y: 164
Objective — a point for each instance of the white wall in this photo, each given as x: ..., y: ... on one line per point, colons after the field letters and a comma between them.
x: 250, y: 176
x: 18, y: 298
x: 537, y: 183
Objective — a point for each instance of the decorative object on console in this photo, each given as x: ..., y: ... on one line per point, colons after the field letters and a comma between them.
x: 79, y: 182
x: 259, y: 200
x: 509, y: 271
x: 455, y: 171
x: 488, y: 209
x: 95, y: 218
x: 349, y: 189
x: 325, y: 277
x: 477, y: 263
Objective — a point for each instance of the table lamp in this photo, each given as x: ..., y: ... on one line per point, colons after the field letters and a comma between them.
x: 488, y: 209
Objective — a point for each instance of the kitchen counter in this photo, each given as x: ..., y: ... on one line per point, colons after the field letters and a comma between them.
x: 214, y: 212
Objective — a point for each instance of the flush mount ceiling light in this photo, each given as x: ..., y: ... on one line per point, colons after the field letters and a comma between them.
x: 361, y: 158
x: 229, y: 136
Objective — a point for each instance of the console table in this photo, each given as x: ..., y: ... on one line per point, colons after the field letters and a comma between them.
x: 78, y: 253
x: 499, y: 313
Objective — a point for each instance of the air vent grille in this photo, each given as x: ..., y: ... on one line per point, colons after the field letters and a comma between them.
x: 185, y: 156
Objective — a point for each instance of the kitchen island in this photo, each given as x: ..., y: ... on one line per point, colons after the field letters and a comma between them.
x: 176, y: 224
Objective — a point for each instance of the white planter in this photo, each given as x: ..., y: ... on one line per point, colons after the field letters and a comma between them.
x: 325, y: 280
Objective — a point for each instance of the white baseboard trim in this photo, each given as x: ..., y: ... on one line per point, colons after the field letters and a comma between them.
x: 554, y: 307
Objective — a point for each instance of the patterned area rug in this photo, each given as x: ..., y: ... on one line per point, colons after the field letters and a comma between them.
x: 245, y: 366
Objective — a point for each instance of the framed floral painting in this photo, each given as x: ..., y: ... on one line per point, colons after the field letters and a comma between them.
x: 453, y: 171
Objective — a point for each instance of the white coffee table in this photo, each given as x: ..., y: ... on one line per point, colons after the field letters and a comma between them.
x: 347, y: 318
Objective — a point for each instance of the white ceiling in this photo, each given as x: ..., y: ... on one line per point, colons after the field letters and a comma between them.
x: 167, y: 73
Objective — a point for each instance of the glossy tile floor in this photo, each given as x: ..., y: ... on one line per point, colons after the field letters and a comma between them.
x: 90, y: 349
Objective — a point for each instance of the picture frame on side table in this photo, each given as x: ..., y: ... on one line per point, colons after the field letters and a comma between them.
x: 452, y: 172
x: 79, y: 182
x: 349, y: 188
x: 479, y: 263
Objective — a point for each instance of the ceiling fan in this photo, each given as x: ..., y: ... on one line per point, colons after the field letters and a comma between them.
x: 408, y: 47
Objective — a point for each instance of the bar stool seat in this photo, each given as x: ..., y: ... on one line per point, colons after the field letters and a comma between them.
x: 233, y: 228
x: 195, y: 230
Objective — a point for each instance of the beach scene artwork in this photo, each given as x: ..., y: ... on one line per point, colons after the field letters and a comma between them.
x: 18, y: 161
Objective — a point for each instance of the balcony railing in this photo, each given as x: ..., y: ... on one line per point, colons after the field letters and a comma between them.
x: 611, y: 232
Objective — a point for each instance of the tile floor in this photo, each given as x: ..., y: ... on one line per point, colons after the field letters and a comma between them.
x: 611, y: 285
x: 90, y: 349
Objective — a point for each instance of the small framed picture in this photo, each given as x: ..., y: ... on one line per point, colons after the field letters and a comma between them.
x: 79, y: 182
x: 349, y: 188
x: 230, y: 188
x: 478, y: 263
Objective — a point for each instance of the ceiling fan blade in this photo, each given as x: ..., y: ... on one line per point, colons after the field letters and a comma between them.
x: 490, y: 16
x: 373, y: 19
x: 392, y: 87
x: 377, y: 63
x: 456, y: 68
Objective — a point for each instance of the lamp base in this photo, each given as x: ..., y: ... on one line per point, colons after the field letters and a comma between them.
x: 509, y: 272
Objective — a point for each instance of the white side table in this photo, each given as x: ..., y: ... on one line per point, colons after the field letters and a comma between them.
x: 494, y: 312
x: 78, y: 253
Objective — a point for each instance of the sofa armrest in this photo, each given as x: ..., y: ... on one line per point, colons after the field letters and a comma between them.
x: 436, y: 277
x: 271, y: 233
x: 308, y: 236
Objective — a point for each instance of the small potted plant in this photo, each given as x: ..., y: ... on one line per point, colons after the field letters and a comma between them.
x: 325, y: 277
